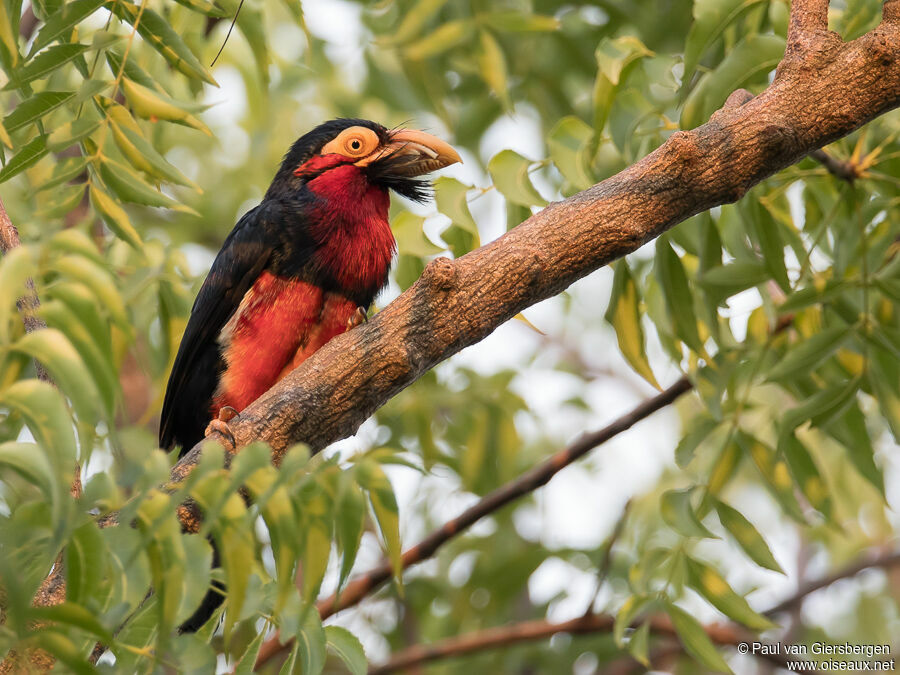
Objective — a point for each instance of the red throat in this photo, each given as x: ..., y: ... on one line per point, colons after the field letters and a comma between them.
x: 351, y: 225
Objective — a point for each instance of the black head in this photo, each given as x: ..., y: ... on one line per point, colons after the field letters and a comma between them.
x: 391, y: 158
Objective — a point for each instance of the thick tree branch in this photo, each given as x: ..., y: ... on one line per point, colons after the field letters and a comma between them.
x: 819, y: 94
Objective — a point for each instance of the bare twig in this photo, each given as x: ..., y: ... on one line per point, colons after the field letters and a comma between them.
x: 530, y: 631
x: 843, y: 169
x: 606, y: 561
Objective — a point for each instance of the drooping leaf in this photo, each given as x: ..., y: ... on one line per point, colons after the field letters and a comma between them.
x: 695, y: 639
x: 509, y: 171
x: 747, y: 537
x: 348, y: 647
x: 805, y: 357
x: 163, y: 38
x: 35, y: 107
x: 677, y: 293
x: 570, y: 143
x: 115, y: 217
x: 45, y: 63
x: 60, y: 24
x: 711, y: 585
x: 29, y: 155
x: 675, y: 508
x: 625, y: 317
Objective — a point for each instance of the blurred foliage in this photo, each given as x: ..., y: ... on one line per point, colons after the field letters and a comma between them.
x: 124, y: 167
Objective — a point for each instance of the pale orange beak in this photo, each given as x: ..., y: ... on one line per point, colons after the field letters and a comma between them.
x: 422, y: 153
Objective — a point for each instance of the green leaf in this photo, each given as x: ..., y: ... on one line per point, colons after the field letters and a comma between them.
x: 775, y: 472
x: 32, y: 109
x: 625, y: 317
x: 16, y: 268
x: 71, y: 133
x: 71, y: 614
x: 31, y: 462
x: 61, y: 22
x: 850, y: 429
x: 115, y: 217
x: 675, y: 508
x: 128, y: 185
x: 154, y: 105
x: 767, y: 233
x: 204, y: 7
x: 438, y: 41
x: 413, y: 21
x: 677, y: 293
x: 410, y: 235
x: 805, y: 473
x: 711, y: 18
x: 747, y: 537
x: 29, y: 155
x: 348, y: 647
x: 492, y: 65
x: 85, y: 563
x: 101, y: 283
x: 727, y: 280
x: 886, y: 392
x: 754, y: 56
x: 712, y: 586
x: 381, y: 496
x: 626, y: 615
x: 8, y: 37
x: 132, y: 71
x: 45, y: 63
x: 512, y: 21
x: 53, y: 349
x: 141, y: 152
x: 615, y: 57
x: 695, y: 640
x: 805, y: 357
x: 61, y: 201
x: 570, y: 143
x: 509, y: 171
x: 44, y: 411
x: 701, y: 430
x: 66, y: 169
x: 58, y: 315
x: 639, y: 644
x: 163, y: 38
x: 821, y: 407
x: 350, y: 523
x: 311, y: 642
x: 451, y: 197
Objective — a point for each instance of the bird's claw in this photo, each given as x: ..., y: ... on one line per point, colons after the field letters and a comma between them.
x: 358, y: 317
x: 220, y: 426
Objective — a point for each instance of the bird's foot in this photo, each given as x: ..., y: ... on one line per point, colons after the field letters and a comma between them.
x: 358, y: 317
x: 220, y: 425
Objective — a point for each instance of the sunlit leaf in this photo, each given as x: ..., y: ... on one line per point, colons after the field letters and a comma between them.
x: 158, y: 33
x: 60, y: 24
x: 115, y: 217
x: 510, y: 173
x: 625, y: 317
x: 712, y: 586
x: 34, y: 108
x: 45, y: 63
x: 26, y: 157
x: 806, y: 356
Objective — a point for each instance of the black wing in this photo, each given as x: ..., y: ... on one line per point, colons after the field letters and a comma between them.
x: 198, y: 364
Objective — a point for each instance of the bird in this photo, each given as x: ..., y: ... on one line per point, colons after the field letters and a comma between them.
x: 300, y: 268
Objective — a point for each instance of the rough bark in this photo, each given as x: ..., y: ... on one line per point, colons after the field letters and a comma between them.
x: 824, y: 89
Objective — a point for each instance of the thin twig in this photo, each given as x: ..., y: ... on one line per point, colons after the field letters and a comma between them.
x: 606, y: 561
x: 228, y: 34
x: 530, y: 631
x: 843, y: 169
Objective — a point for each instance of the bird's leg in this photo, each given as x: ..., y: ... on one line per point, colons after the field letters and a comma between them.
x: 220, y: 425
x: 358, y: 317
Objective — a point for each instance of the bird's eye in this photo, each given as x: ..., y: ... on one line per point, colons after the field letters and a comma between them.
x: 354, y: 142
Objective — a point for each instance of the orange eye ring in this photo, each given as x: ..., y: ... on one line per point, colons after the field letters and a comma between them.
x: 355, y: 142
